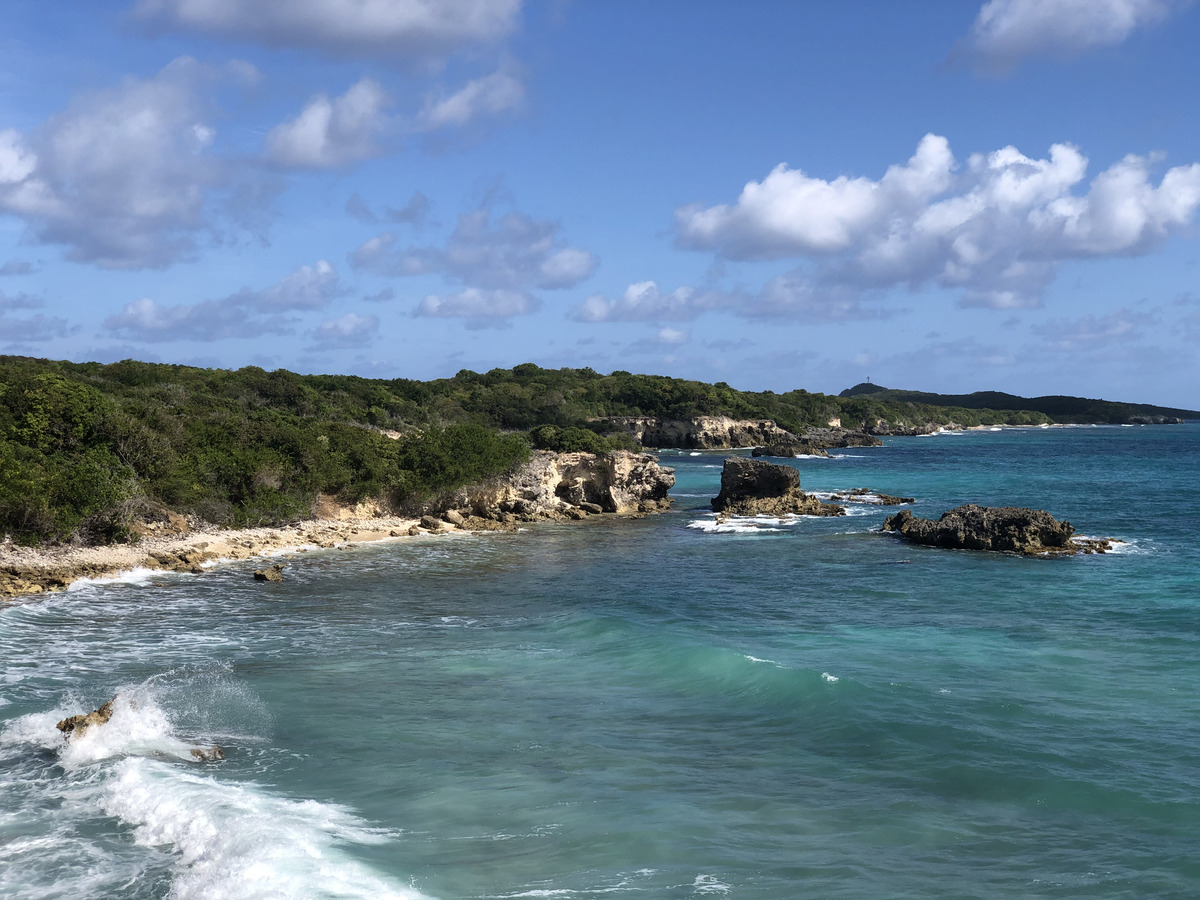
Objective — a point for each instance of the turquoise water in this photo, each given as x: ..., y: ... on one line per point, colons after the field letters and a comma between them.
x: 660, y: 708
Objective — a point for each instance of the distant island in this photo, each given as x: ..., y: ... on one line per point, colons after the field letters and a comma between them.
x: 90, y: 451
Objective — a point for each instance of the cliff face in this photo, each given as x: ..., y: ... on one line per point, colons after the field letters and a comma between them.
x: 561, y: 485
x: 701, y: 432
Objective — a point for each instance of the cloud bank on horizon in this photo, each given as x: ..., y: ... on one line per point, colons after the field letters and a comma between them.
x: 408, y: 188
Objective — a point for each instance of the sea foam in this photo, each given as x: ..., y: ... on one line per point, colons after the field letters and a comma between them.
x: 240, y: 840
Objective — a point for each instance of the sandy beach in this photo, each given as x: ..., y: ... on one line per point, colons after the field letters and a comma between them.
x: 26, y: 571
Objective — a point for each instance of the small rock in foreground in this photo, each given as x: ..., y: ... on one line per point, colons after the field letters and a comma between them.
x: 77, y: 726
x: 273, y: 573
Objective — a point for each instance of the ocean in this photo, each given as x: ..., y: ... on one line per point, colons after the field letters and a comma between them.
x: 660, y: 708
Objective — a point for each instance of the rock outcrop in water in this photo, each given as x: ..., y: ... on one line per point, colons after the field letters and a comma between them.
x: 75, y: 727
x: 752, y: 487
x: 270, y: 573
x: 1009, y: 529
x: 570, y: 486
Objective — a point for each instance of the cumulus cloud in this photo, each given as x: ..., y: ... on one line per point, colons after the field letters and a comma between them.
x: 413, y: 213
x: 246, y: 314
x: 1008, y: 31
x: 474, y: 303
x: 791, y: 297
x: 395, y: 29
x: 19, y: 301
x: 995, y: 229
x: 498, y: 262
x: 350, y: 330
x: 490, y: 96
x: 211, y: 320
x: 307, y: 287
x: 645, y: 302
x: 16, y: 267
x: 29, y: 329
x: 120, y: 178
x: 332, y: 132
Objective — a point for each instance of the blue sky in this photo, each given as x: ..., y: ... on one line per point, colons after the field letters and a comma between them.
x: 948, y: 196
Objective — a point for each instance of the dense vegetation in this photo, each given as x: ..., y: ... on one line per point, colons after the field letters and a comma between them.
x: 1061, y: 409
x: 85, y: 446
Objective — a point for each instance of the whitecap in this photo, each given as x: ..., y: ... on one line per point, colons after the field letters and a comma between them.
x: 709, y: 884
x: 733, y: 525
x: 137, y: 576
x: 239, y: 840
x: 832, y: 679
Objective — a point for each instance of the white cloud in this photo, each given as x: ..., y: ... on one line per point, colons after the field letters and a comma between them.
x: 789, y: 213
x: 335, y: 132
x: 1007, y: 31
x: 515, y: 253
x: 306, y: 288
x: 122, y: 177
x: 491, y: 95
x: 644, y: 302
x: 350, y: 330
x: 789, y: 297
x: 211, y: 320
x: 996, y: 229
x: 672, y: 336
x: 474, y: 303
x: 393, y: 29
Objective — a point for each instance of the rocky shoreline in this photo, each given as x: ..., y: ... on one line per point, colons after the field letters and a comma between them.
x: 550, y: 487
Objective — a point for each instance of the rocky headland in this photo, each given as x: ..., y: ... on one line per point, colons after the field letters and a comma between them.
x: 700, y: 432
x: 817, y: 442
x: 550, y: 487
x: 753, y: 487
x: 1008, y: 529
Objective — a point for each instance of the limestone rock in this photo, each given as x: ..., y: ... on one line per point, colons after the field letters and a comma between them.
x: 752, y: 487
x: 700, y: 432
x: 790, y: 450
x: 271, y: 573
x: 77, y: 726
x: 1011, y: 529
x: 552, y: 484
x: 453, y: 516
x: 208, y: 754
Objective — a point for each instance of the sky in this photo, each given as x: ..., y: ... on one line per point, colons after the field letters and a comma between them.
x: 946, y: 196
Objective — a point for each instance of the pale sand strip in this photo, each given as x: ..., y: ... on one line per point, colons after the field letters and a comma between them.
x: 27, y: 571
